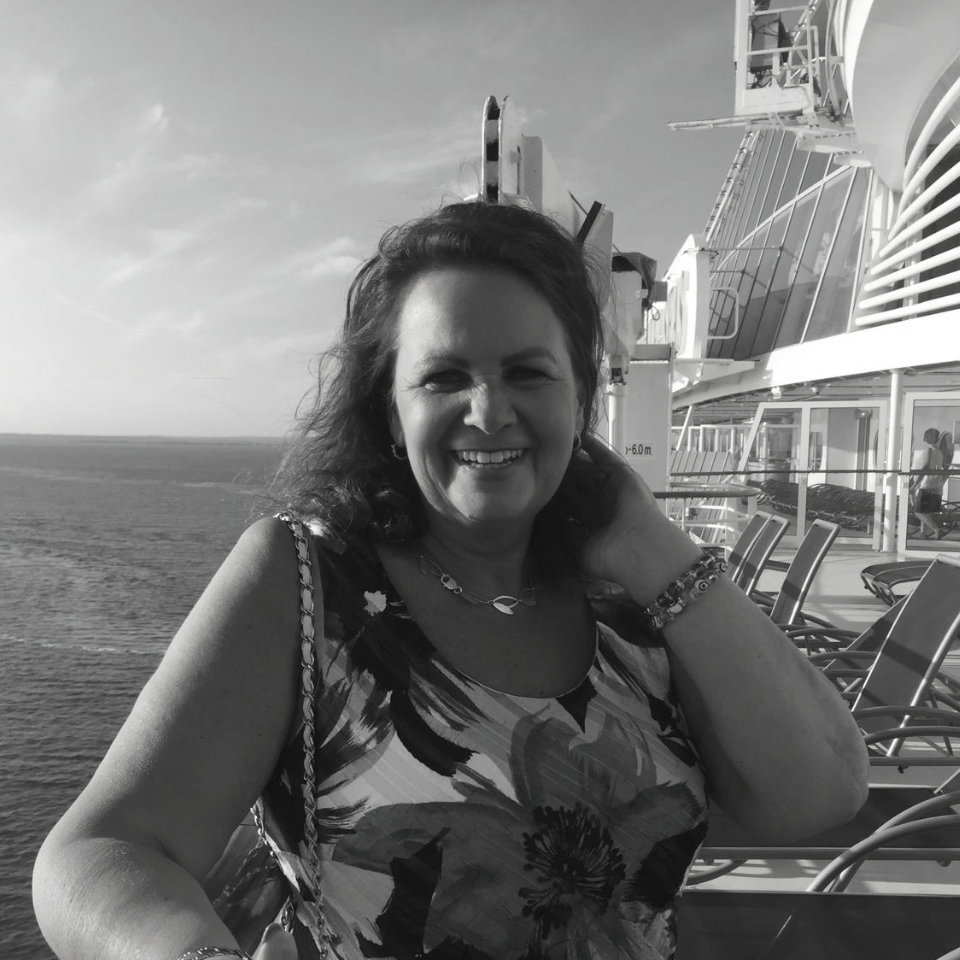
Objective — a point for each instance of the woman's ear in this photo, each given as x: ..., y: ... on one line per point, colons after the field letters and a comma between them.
x: 580, y: 418
x: 393, y: 421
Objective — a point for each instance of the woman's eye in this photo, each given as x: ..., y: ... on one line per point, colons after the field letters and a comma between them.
x: 445, y: 380
x: 528, y: 375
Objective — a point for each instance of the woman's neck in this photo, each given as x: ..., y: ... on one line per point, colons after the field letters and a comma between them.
x: 494, y: 559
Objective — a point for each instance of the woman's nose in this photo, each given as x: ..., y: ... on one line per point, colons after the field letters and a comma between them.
x: 490, y: 407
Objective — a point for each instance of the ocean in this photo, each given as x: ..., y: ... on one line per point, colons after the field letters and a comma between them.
x: 105, y: 544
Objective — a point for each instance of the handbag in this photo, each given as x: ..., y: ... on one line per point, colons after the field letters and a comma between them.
x: 247, y: 886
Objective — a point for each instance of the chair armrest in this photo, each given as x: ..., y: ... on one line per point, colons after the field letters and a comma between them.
x: 949, y: 717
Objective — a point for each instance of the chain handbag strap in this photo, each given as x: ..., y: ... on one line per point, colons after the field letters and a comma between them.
x: 320, y: 929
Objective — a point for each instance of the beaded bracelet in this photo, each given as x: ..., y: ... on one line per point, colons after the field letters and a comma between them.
x: 202, y: 953
x: 682, y: 592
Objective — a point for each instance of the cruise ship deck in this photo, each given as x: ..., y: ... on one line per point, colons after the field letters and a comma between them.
x: 839, y: 596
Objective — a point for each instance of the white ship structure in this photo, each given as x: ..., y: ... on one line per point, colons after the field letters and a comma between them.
x: 805, y: 340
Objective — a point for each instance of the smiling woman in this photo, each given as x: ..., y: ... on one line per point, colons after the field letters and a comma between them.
x: 480, y: 696
x: 485, y: 400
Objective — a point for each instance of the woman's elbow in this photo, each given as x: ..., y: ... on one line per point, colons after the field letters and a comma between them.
x: 833, y: 795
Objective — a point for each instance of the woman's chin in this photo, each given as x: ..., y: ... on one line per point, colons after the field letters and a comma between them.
x: 491, y: 511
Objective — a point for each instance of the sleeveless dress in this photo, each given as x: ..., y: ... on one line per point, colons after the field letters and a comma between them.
x: 455, y: 822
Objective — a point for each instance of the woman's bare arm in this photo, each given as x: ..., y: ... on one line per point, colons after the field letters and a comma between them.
x: 116, y: 878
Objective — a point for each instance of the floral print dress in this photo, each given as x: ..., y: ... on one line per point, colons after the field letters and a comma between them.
x: 459, y: 823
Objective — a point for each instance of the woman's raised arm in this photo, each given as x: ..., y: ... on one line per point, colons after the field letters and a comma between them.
x: 782, y: 752
x: 117, y: 876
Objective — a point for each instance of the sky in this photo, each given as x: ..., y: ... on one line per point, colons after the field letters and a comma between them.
x: 187, y: 186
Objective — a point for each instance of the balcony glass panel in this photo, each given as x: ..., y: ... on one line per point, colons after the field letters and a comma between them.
x: 783, y: 276
x: 830, y: 314
x: 777, y: 159
x: 816, y: 169
x: 724, y: 281
x: 761, y: 177
x: 813, y: 258
x: 754, y: 184
x: 791, y: 181
x: 769, y: 238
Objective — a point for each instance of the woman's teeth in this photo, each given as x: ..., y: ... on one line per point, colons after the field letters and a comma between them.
x: 488, y: 456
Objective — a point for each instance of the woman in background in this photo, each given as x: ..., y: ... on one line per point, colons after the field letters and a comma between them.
x: 523, y: 685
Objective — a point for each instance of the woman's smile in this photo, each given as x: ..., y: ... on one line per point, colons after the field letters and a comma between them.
x: 488, y: 458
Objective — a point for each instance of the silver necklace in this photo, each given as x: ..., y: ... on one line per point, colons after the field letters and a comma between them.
x: 502, y: 604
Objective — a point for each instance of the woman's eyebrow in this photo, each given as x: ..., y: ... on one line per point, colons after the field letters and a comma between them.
x: 530, y: 353
x: 439, y: 358
x: 444, y: 358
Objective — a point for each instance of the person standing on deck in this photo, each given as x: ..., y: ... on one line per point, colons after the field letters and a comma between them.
x: 926, y: 485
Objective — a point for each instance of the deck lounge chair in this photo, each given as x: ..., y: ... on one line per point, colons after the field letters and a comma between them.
x: 834, y: 649
x: 902, y: 652
x: 904, y: 671
x: 738, y: 552
x: 760, y: 551
x: 784, y: 609
x: 891, y: 707
x: 881, y: 578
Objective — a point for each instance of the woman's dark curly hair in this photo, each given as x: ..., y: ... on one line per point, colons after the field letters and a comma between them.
x: 339, y: 468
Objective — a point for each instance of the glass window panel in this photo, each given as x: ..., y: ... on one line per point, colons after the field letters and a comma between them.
x: 813, y: 258
x: 774, y: 460
x: 761, y: 180
x: 750, y: 279
x: 754, y: 309
x: 783, y: 276
x: 777, y: 160
x: 944, y: 418
x: 740, y: 218
x: 720, y: 311
x: 791, y: 181
x: 844, y: 481
x: 723, y: 301
x: 832, y: 308
x: 816, y: 169
x: 722, y: 237
x: 742, y: 283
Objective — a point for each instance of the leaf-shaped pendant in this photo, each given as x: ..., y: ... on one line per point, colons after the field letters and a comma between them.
x: 502, y: 607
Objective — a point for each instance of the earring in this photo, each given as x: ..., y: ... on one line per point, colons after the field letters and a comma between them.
x: 577, y: 442
x: 399, y: 453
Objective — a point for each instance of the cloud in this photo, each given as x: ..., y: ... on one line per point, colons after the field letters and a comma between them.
x: 31, y: 94
x: 404, y: 155
x: 408, y: 156
x: 153, y: 121
x: 336, y: 258
x: 131, y: 331
x: 169, y: 324
x: 161, y: 243
x: 88, y: 311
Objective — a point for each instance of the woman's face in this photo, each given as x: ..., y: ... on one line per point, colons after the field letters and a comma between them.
x: 486, y: 401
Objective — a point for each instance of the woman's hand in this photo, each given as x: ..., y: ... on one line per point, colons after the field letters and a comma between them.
x: 276, y: 944
x: 629, y: 539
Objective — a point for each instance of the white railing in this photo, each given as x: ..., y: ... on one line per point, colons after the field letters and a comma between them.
x: 898, y: 261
